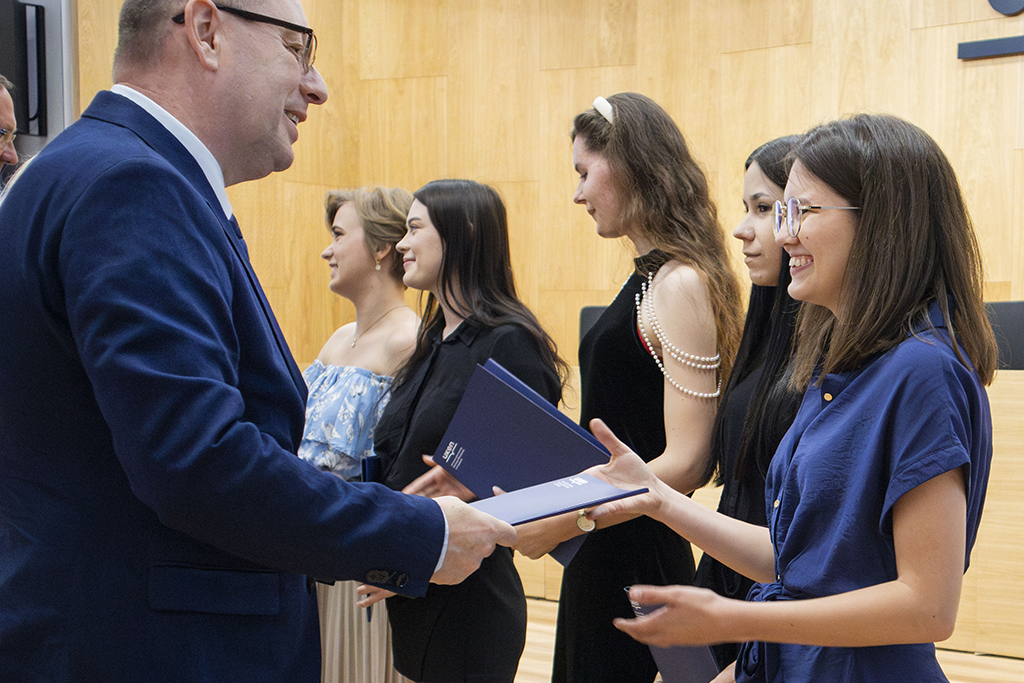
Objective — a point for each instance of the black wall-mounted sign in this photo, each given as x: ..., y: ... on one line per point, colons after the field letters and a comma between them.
x: 1007, y: 7
x: 997, y: 47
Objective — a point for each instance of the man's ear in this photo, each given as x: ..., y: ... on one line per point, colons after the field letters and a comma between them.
x: 205, y: 32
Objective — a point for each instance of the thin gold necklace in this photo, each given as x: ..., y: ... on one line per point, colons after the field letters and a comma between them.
x: 355, y: 337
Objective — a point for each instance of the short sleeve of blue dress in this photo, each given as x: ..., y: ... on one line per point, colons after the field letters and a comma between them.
x: 860, y: 441
x: 342, y: 410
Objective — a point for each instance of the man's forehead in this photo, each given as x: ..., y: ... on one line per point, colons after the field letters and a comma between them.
x: 288, y: 10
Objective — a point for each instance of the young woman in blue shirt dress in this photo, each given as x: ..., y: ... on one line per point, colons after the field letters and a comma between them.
x: 875, y: 494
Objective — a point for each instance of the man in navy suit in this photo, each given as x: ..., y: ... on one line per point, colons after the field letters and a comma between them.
x: 155, y: 524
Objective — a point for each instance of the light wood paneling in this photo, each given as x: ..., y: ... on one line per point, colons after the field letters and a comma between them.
x: 991, y: 617
x: 492, y: 99
x: 423, y: 89
x: 402, y: 39
x: 959, y: 667
x: 582, y: 33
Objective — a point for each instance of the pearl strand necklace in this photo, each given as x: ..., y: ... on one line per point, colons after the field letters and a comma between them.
x: 645, y: 304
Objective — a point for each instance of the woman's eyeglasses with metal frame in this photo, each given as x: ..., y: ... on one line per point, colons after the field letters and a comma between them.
x: 791, y: 214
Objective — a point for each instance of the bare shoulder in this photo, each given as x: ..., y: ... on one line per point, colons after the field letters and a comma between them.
x: 677, y: 311
x: 678, y: 290
x: 334, y: 349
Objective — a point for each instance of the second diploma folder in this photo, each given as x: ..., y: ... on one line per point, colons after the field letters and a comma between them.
x: 505, y: 434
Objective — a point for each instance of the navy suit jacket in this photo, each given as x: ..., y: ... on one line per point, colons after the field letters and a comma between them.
x: 155, y: 524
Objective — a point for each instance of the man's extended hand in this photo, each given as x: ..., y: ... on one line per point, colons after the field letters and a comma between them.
x: 472, y: 536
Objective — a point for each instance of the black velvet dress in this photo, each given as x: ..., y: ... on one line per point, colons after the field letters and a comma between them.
x: 623, y: 386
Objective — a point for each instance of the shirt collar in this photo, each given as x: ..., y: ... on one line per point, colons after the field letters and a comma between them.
x: 466, y: 332
x: 203, y: 156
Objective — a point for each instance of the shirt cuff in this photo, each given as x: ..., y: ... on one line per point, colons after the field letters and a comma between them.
x: 444, y: 546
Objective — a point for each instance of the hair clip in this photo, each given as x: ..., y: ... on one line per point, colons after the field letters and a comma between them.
x: 604, y: 108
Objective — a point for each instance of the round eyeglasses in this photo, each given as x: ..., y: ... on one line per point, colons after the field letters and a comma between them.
x: 791, y: 214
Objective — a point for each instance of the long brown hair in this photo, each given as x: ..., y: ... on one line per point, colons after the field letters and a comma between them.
x: 667, y: 200
x: 914, y: 243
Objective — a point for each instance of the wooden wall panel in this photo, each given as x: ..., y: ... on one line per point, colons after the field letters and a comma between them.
x: 991, y: 617
x: 863, y: 45
x: 487, y: 89
x: 770, y: 23
x: 494, y: 122
x: 580, y: 33
x: 970, y: 109
x: 780, y: 74
x: 403, y: 123
x: 402, y: 39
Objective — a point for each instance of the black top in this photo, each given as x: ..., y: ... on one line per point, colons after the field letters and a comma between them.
x: 474, y: 631
x: 415, y: 420
x: 619, y: 380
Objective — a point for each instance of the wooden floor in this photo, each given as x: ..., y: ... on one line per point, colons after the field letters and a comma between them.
x: 960, y: 667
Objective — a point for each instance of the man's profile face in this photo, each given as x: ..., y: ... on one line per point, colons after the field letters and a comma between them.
x: 272, y: 87
x: 8, y: 155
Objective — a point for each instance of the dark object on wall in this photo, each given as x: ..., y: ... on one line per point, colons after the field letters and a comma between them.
x: 1007, y: 318
x: 997, y: 47
x: 1007, y: 7
x: 23, y: 61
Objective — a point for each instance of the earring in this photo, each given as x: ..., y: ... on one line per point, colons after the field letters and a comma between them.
x: 378, y: 264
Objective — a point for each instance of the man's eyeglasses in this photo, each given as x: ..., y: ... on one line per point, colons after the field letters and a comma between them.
x: 791, y: 214
x: 305, y: 57
x: 7, y: 137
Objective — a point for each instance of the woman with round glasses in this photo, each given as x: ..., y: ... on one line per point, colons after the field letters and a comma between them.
x: 875, y: 493
x: 757, y: 404
x: 652, y: 364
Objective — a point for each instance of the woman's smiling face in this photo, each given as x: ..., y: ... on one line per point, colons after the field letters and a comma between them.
x: 818, y: 255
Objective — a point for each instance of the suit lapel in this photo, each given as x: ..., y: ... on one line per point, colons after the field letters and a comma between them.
x: 120, y: 111
x: 234, y: 235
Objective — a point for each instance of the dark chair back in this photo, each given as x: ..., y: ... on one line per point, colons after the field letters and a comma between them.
x: 589, y: 316
x: 1007, y: 318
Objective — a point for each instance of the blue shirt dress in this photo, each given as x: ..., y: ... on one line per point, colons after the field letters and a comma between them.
x: 860, y: 440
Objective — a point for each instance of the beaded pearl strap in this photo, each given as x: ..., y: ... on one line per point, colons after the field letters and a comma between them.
x: 645, y: 304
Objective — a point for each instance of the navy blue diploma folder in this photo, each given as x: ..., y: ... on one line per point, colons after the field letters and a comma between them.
x: 680, y: 663
x: 505, y: 434
x: 552, y: 498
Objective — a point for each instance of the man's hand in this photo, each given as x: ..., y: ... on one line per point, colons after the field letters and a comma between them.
x: 472, y: 536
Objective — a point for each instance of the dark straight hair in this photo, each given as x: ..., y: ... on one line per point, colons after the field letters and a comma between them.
x: 914, y: 244
x: 767, y: 343
x: 476, y: 277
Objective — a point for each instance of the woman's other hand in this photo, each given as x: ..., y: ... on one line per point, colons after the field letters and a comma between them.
x: 437, y: 482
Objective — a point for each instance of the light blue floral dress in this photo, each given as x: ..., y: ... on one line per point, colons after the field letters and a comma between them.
x: 342, y: 410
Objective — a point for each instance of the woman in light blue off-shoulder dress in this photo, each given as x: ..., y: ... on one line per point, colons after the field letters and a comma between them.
x: 348, y: 389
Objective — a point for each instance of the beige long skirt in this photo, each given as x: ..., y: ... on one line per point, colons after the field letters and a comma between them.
x: 354, y: 650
